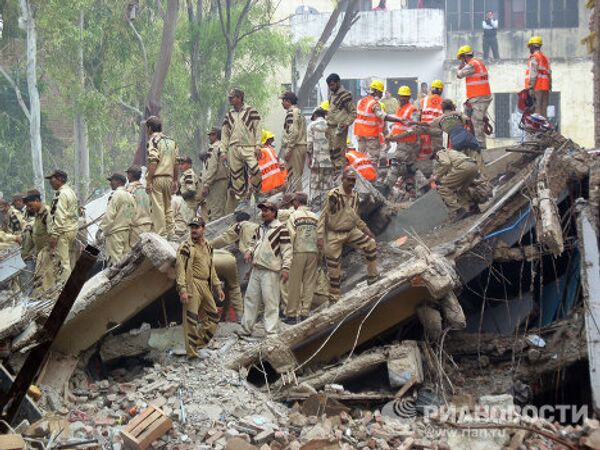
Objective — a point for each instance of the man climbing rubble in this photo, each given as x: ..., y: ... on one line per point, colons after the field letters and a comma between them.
x: 339, y: 224
x: 196, y: 277
x: 293, y: 140
x: 341, y: 115
x: 142, y: 220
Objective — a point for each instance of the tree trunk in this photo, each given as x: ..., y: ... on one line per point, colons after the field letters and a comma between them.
x: 80, y: 127
x: 152, y: 107
x: 35, y: 136
x: 194, y: 20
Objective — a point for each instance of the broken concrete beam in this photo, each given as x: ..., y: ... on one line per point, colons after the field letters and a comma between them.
x: 135, y: 342
x: 404, y: 364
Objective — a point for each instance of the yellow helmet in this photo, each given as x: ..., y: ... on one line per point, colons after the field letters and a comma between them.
x: 324, y: 105
x: 377, y: 85
x: 266, y: 135
x: 464, y: 50
x: 404, y: 91
x: 535, y: 40
x: 437, y: 84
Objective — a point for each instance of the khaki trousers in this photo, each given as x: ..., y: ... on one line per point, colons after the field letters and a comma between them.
x: 200, y: 317
x: 45, y: 273
x: 136, y: 231
x: 334, y: 245
x: 62, y: 254
x: 117, y: 246
x: 402, y: 162
x: 480, y: 106
x: 372, y: 147
x: 217, y: 200
x: 303, y: 281
x: 242, y: 162
x: 296, y: 157
x: 226, y: 267
x: 337, y: 146
x: 160, y: 209
x: 263, y: 290
x: 454, y: 184
x: 541, y: 102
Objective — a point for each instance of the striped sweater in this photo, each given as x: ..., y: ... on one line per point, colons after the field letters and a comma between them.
x: 272, y: 247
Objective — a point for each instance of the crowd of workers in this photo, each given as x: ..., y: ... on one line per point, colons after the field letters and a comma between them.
x: 286, y: 248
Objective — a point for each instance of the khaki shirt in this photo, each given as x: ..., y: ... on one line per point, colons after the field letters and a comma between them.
x: 181, y: 215
x: 39, y: 232
x: 120, y: 212
x: 216, y: 165
x: 194, y: 263
x: 241, y: 232
x: 271, y: 247
x: 6, y: 240
x: 340, y: 213
x: 294, y: 128
x: 188, y: 184
x: 342, y: 110
x: 141, y: 201
x: 241, y: 128
x: 162, y: 151
x: 13, y: 221
x: 302, y: 226
x: 448, y: 160
x: 63, y: 211
x: 318, y: 147
x: 449, y: 121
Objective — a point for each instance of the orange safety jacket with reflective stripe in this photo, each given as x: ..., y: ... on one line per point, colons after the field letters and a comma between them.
x: 478, y: 84
x: 405, y: 113
x: 431, y: 107
x: 426, y: 148
x: 542, y: 82
x: 270, y: 171
x: 362, y: 164
x: 367, y: 123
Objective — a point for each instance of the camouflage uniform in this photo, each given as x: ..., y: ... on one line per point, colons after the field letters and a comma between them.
x: 294, y: 143
x: 7, y: 240
x: 189, y: 189
x: 341, y: 115
x: 181, y: 216
x: 322, y: 177
x: 13, y: 221
x: 63, y: 225
x: 142, y: 221
x: 215, y: 177
x: 162, y: 151
x: 116, y: 224
x: 455, y: 173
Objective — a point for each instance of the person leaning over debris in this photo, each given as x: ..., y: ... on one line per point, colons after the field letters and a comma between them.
x: 319, y: 158
x: 12, y: 220
x: 340, y: 117
x: 241, y: 232
x: 302, y: 225
x: 271, y: 257
x: 226, y: 267
x: 196, y: 277
x: 162, y: 153
x: 118, y: 219
x: 189, y: 184
x: 339, y: 224
x: 7, y: 239
x: 63, y: 224
x: 215, y: 178
x: 142, y: 220
x: 294, y: 140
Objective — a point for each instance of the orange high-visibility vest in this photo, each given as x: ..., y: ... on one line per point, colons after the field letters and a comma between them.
x: 478, y: 84
x: 431, y: 107
x: 270, y: 171
x: 426, y: 148
x: 362, y: 164
x: 367, y: 123
x: 405, y: 113
x: 542, y: 82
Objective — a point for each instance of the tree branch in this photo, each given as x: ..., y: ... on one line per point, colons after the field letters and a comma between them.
x: 241, y: 20
x: 131, y: 108
x: 262, y: 26
x: 17, y: 93
x: 142, y: 48
x: 160, y: 9
x: 223, y: 27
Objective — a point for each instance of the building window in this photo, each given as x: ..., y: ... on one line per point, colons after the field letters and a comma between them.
x: 508, y: 116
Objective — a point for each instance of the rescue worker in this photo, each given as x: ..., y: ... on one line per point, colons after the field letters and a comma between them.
x: 63, y: 224
x: 44, y: 275
x: 340, y: 117
x: 319, y: 159
x: 294, y: 140
x: 432, y: 139
x: 19, y: 204
x: 361, y: 162
x: 226, y: 267
x: 215, y: 178
x: 302, y: 226
x: 182, y: 215
x: 7, y: 239
x: 370, y: 122
x: 163, y: 171
x: 188, y: 183
x: 142, y: 219
x: 240, y: 233
x: 479, y: 94
x: 118, y: 219
x: 271, y: 257
x: 402, y: 162
x: 196, y: 277
x: 12, y: 220
x: 339, y: 224
x: 273, y: 177
x: 538, y: 76
x: 241, y: 136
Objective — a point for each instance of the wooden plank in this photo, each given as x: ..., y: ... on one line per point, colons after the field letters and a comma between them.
x: 146, y: 428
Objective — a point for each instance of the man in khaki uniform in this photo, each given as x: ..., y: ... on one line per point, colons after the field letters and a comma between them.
x: 226, y: 266
x: 117, y: 221
x: 182, y: 216
x: 241, y: 232
x: 162, y: 153
x: 215, y: 178
x: 341, y: 115
x: 302, y: 225
x: 45, y: 273
x: 12, y: 220
x: 142, y: 220
x: 340, y: 224
x: 196, y: 277
x: 63, y: 224
x: 319, y: 158
x: 241, y: 136
x: 189, y: 184
x: 271, y: 257
x: 294, y: 140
